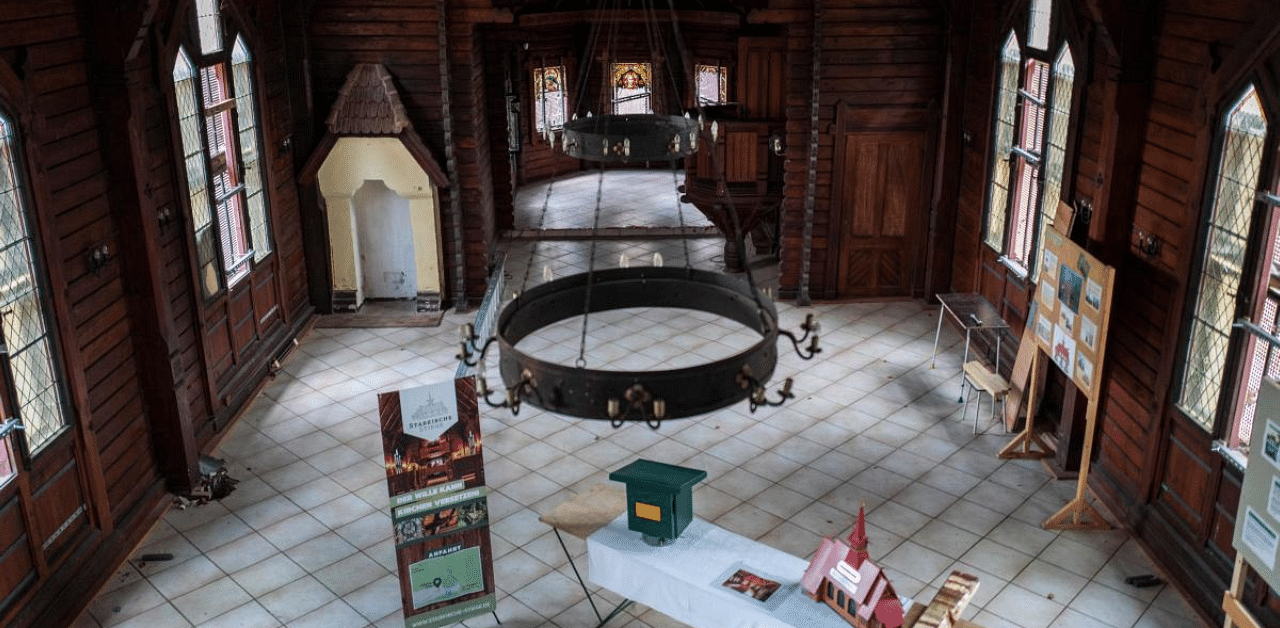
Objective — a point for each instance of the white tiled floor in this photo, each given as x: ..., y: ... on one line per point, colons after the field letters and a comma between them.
x: 305, y: 539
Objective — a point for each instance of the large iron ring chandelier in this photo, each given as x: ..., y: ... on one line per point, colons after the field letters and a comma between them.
x: 648, y: 396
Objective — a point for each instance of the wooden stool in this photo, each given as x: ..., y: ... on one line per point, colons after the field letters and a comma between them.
x: 983, y: 380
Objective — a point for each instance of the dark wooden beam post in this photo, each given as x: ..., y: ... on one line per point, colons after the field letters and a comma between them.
x: 122, y: 87
x: 944, y: 205
x: 303, y: 142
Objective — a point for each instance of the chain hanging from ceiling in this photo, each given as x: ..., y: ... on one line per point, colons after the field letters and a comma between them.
x: 649, y: 396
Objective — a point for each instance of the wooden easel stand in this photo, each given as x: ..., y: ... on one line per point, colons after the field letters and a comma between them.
x: 1237, y: 614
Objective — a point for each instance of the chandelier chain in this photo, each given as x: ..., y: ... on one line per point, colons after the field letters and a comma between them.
x: 591, y: 267
x: 684, y: 236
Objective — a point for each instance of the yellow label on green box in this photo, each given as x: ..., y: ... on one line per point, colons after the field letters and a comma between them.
x: 648, y: 511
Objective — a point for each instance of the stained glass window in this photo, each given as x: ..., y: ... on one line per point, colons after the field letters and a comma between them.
x: 549, y: 99
x: 713, y: 84
x: 1222, y: 259
x: 218, y: 123
x: 32, y: 371
x: 631, y: 87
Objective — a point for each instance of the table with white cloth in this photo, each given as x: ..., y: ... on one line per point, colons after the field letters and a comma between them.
x: 683, y: 578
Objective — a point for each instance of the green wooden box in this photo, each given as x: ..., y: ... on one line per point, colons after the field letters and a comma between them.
x: 659, y: 497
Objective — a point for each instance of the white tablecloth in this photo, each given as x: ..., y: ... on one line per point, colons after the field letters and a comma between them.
x: 683, y: 579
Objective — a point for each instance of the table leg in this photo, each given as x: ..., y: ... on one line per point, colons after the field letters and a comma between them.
x: 963, y: 362
x: 936, y: 334
x: 580, y: 582
x: 616, y: 611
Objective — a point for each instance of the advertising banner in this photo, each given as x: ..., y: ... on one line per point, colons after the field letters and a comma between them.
x: 433, y: 454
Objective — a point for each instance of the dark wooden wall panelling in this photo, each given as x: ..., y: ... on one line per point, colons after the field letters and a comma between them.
x: 1154, y: 467
x: 85, y: 477
x: 876, y: 56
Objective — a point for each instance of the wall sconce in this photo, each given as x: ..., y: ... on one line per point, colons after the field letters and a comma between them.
x: 1146, y: 242
x: 286, y: 144
x: 1084, y: 210
x: 165, y: 216
x: 775, y: 145
x: 96, y: 259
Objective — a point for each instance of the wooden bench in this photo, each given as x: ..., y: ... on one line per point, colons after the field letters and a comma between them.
x: 984, y: 379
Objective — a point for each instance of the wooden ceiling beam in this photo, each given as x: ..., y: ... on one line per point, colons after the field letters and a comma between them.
x: 570, y: 18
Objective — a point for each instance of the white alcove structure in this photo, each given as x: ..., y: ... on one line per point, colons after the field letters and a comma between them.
x: 379, y: 191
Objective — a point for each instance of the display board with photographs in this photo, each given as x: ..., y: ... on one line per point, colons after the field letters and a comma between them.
x: 433, y: 454
x: 1257, y: 531
x: 1074, y: 304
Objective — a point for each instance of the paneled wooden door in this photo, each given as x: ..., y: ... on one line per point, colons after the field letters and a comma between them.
x: 881, y: 190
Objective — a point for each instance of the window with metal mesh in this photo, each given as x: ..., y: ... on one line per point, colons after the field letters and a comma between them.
x: 1222, y: 261
x: 1006, y: 99
x: 218, y: 122
x: 1038, y: 28
x: 23, y: 318
x: 247, y: 127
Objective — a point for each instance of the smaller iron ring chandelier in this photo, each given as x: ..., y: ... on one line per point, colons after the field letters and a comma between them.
x: 649, y: 396
x: 624, y: 138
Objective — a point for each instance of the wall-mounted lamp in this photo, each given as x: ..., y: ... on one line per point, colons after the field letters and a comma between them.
x: 165, y: 216
x: 776, y: 146
x: 1146, y: 242
x: 286, y: 144
x: 96, y: 259
x: 1084, y: 210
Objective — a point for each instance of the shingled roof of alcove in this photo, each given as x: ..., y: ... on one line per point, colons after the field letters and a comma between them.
x: 368, y: 105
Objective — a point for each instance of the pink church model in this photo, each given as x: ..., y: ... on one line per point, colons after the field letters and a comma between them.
x: 843, y: 576
x: 846, y: 579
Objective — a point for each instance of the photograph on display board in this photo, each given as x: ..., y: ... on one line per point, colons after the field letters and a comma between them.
x: 1273, y: 498
x: 1067, y: 321
x: 1064, y: 349
x: 1050, y: 260
x: 1093, y: 295
x: 1046, y: 295
x: 1044, y: 329
x: 1084, y: 369
x: 1089, y: 333
x: 1271, y: 443
x: 1070, y: 285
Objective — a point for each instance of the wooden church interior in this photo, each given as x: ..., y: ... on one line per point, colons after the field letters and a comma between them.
x: 170, y: 225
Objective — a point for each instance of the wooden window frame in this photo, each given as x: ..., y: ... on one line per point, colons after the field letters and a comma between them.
x: 538, y: 93
x: 21, y: 451
x: 1255, y: 304
x: 242, y: 236
x: 1016, y: 182
x: 722, y: 79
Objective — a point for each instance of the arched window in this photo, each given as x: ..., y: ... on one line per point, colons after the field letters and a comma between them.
x: 1221, y: 286
x: 32, y: 374
x: 217, y: 120
x: 1031, y: 123
x: 549, y: 98
x: 632, y: 83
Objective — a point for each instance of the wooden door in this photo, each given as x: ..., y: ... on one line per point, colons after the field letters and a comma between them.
x: 881, y: 190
